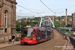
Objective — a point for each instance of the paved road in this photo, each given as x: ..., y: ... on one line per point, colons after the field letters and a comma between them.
x: 48, y: 45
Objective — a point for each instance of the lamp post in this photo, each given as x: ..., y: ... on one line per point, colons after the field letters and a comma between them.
x: 20, y: 19
x: 60, y: 20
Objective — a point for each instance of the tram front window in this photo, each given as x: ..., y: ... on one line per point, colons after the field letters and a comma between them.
x: 27, y: 32
x: 24, y: 33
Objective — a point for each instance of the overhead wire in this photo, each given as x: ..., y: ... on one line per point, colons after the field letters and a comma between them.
x: 48, y: 7
x: 28, y: 9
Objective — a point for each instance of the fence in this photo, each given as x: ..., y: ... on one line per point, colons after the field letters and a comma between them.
x: 72, y: 41
x: 61, y: 32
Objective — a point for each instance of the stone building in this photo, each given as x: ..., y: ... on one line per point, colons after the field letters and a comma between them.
x: 7, y: 19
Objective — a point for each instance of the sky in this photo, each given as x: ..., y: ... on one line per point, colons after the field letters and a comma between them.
x: 57, y: 6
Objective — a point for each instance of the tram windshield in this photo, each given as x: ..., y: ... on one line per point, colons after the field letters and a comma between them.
x: 26, y: 32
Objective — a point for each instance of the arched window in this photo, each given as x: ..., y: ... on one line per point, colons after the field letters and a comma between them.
x: 5, y: 18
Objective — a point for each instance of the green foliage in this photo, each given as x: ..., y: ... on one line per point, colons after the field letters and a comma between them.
x: 70, y: 42
x: 23, y: 24
x: 69, y: 16
x: 27, y: 23
x: 67, y: 31
x: 23, y: 19
x: 18, y: 32
x: 63, y: 25
x: 57, y: 24
x: 17, y: 39
x: 59, y: 18
x: 17, y: 26
x: 63, y: 30
x: 62, y: 16
x: 37, y: 18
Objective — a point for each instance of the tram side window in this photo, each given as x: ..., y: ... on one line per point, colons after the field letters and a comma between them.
x: 38, y: 31
x: 48, y: 33
x: 45, y: 33
x: 42, y: 33
x: 34, y: 32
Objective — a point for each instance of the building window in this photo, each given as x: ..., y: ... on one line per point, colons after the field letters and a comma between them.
x: 5, y: 18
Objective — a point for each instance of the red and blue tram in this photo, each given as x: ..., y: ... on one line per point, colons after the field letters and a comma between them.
x: 33, y: 35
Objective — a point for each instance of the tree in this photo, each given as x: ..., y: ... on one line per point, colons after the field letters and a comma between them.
x: 57, y: 24
x: 17, y: 26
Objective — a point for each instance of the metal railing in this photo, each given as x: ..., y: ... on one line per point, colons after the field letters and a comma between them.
x: 71, y: 39
x: 60, y: 31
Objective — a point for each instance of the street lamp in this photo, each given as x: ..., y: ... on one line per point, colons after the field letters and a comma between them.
x: 20, y: 19
x: 60, y: 21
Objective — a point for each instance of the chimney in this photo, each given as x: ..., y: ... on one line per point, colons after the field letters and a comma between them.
x: 66, y: 17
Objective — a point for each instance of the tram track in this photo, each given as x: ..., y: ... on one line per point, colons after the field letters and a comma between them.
x: 57, y: 43
x: 52, y: 46
x: 48, y: 45
x: 60, y: 45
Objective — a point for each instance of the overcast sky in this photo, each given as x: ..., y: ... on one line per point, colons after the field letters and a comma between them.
x: 57, y: 6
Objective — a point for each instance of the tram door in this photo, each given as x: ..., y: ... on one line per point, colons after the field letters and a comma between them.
x: 38, y: 35
x: 50, y: 34
x: 42, y: 35
x: 45, y: 35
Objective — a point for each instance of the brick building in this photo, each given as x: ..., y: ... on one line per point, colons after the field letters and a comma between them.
x: 7, y: 19
x: 57, y: 20
x: 51, y: 17
x: 69, y: 19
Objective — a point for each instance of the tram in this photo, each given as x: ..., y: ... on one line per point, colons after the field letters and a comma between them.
x: 34, y: 35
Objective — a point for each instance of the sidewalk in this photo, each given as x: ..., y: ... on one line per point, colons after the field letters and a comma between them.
x: 3, y: 45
